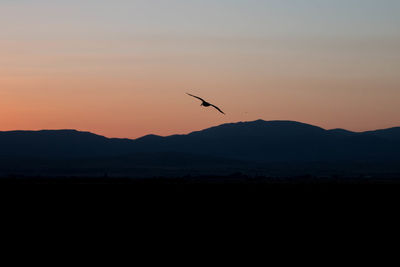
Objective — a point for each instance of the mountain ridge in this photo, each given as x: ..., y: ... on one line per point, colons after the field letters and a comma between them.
x: 225, y: 125
x: 268, y: 147
x: 255, y: 140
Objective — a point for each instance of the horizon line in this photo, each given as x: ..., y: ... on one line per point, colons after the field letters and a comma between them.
x: 195, y: 131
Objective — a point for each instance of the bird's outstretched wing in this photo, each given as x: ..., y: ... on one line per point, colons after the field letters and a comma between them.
x: 218, y: 109
x: 196, y: 97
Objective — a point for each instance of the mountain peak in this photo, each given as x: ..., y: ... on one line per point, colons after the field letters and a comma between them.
x: 260, y: 128
x: 272, y: 123
x: 150, y: 137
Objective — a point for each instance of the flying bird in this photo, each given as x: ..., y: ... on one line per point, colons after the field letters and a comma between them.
x: 206, y: 104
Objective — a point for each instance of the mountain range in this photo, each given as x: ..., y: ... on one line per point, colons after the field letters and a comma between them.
x: 227, y: 145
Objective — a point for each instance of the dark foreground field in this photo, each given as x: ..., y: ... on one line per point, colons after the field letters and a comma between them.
x: 236, y: 179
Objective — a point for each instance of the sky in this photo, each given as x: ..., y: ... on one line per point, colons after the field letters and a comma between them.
x: 121, y: 68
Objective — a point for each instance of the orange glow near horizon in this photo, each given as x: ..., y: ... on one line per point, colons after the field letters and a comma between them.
x: 95, y: 105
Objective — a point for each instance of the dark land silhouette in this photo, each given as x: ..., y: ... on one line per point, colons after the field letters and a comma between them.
x: 245, y: 150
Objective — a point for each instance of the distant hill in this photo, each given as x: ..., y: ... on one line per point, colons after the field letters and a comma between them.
x: 257, y: 140
x: 228, y: 145
x: 279, y: 141
x: 59, y: 143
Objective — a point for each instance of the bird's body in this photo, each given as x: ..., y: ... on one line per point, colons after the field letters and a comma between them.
x: 206, y: 104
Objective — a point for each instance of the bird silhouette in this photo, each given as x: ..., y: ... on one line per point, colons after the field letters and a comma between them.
x: 206, y: 104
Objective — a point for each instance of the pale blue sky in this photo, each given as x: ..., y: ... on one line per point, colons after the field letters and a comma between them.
x: 242, y: 18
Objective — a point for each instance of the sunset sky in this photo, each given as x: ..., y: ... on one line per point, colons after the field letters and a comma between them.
x: 121, y: 68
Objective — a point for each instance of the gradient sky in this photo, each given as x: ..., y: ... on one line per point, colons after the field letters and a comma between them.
x: 121, y: 68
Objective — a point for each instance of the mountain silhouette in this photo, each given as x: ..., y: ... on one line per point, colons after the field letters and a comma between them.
x: 257, y: 140
x: 227, y: 145
x: 279, y: 141
x: 58, y: 143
